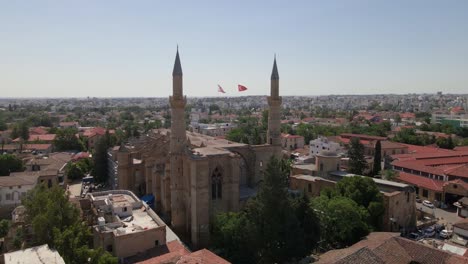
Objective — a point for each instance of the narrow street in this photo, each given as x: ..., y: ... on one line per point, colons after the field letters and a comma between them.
x: 445, y: 216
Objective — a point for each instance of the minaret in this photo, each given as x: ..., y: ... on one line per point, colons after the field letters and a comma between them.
x: 177, y: 148
x: 274, y: 114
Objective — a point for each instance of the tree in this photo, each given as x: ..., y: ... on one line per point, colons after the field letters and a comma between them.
x: 100, y: 160
x: 446, y: 143
x: 308, y: 220
x: 343, y: 221
x: 3, y: 125
x: 24, y: 131
x: 66, y: 139
x: 305, y: 130
x: 73, y: 171
x: 279, y: 231
x: 389, y: 175
x: 377, y: 159
x: 4, y: 227
x: 273, y: 228
x: 357, y: 163
x: 233, y: 237
x: 365, y: 193
x: 15, y: 132
x: 397, y: 119
x: 57, y: 222
x: 10, y: 163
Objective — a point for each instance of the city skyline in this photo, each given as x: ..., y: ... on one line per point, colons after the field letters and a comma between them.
x: 119, y: 49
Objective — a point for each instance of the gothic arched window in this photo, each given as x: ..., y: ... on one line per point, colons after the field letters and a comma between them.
x: 216, y: 184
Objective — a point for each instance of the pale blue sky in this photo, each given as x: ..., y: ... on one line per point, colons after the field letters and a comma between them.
x: 127, y: 48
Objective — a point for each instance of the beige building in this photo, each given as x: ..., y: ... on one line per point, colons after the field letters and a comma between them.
x: 123, y: 224
x: 399, y: 199
x: 193, y: 176
x: 291, y: 142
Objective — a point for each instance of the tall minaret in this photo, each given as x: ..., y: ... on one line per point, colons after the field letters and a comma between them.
x: 177, y: 147
x: 274, y: 114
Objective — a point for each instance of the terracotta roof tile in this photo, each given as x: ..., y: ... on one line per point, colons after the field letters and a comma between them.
x: 390, y: 249
x: 421, y: 181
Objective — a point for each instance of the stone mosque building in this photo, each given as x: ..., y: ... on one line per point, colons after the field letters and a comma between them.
x: 193, y: 176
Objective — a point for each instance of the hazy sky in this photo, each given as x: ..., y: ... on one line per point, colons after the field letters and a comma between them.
x: 127, y: 48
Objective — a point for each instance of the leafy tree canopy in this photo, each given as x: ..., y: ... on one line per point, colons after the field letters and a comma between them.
x: 10, y: 163
x: 57, y: 222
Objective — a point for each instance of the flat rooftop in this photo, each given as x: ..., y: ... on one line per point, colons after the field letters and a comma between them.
x: 35, y: 255
x: 376, y: 180
x: 141, y: 218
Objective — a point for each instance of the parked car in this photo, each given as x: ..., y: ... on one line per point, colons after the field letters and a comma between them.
x: 418, y: 200
x: 429, y: 232
x: 428, y: 204
x: 445, y: 233
x: 414, y: 236
x: 439, y: 227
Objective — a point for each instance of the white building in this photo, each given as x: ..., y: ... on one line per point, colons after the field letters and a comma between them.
x: 322, y: 143
x: 35, y: 255
x: 126, y: 225
x: 213, y: 130
x: 12, y: 188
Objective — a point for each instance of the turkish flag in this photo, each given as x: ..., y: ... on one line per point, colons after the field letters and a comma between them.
x: 241, y: 88
x: 220, y: 89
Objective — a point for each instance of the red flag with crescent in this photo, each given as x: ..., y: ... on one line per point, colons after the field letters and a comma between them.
x: 241, y: 88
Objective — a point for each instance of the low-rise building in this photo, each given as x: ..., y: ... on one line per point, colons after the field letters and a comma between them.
x: 35, y: 255
x: 389, y: 248
x: 387, y: 148
x: 72, y: 124
x: 291, y: 142
x: 323, y: 144
x: 438, y: 176
x: 462, y: 207
x: 12, y: 189
x: 399, y: 199
x: 122, y: 224
x: 213, y: 130
x: 48, y: 170
x: 460, y: 232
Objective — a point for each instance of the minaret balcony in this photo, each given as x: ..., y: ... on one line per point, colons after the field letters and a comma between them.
x: 177, y: 102
x: 274, y: 101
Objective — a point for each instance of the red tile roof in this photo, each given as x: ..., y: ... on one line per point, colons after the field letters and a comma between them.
x: 362, y: 136
x: 37, y: 131
x: 407, y: 115
x: 459, y: 182
x: 290, y: 136
x: 454, y: 166
x: 169, y: 253
x: 381, y: 248
x: 96, y: 131
x: 461, y: 148
x: 45, y: 137
x: 37, y: 146
x: 66, y: 124
x: 203, y: 256
x: 460, y: 171
x: 419, y: 152
x: 175, y: 252
x: 347, y: 140
x: 80, y: 155
x: 421, y: 181
x: 385, y: 144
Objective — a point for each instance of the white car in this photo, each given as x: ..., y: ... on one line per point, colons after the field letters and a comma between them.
x: 445, y: 233
x: 428, y: 204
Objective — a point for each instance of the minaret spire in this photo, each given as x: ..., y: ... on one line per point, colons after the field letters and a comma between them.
x: 177, y: 67
x: 274, y: 72
x: 274, y: 113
